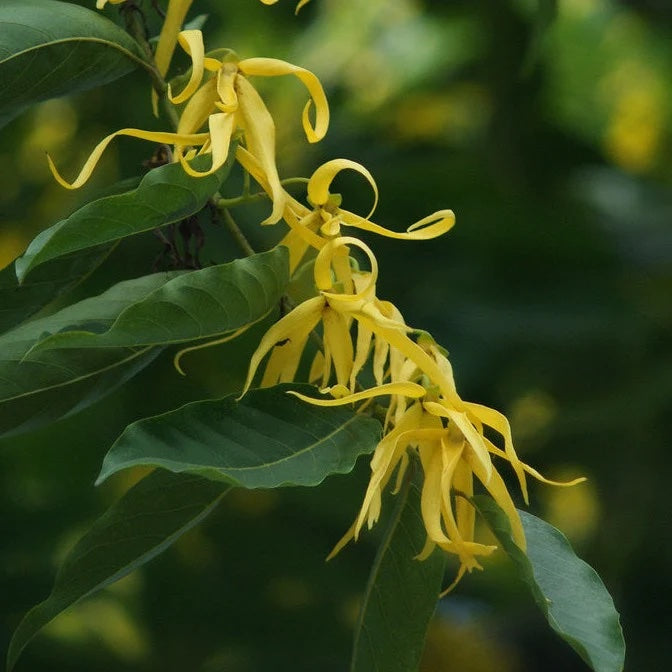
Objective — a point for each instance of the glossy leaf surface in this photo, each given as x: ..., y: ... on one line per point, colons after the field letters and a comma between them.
x: 143, y: 523
x: 267, y: 439
x: 18, y: 302
x: 165, y: 195
x: 50, y: 48
x: 401, y: 594
x: 568, y: 590
x: 120, y: 327
x: 194, y: 305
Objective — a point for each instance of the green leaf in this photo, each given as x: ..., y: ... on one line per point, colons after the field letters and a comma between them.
x: 42, y: 407
x: 401, y: 594
x: 195, y: 305
x: 266, y: 440
x: 143, y: 523
x: 35, y: 390
x: 165, y: 195
x: 569, y: 592
x: 50, y: 48
x: 20, y: 302
x: 82, y: 344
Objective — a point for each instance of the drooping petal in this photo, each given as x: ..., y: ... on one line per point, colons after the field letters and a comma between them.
x: 431, y: 497
x: 463, y: 484
x: 302, y: 320
x: 497, y: 488
x: 385, y: 459
x: 221, y: 128
x: 96, y: 154
x: 192, y: 42
x: 199, y: 108
x: 285, y: 359
x: 463, y: 423
x: 533, y: 472
x: 321, y: 179
x: 362, y: 348
x: 260, y: 139
x: 397, y: 338
x: 272, y: 67
x: 172, y: 24
x: 338, y: 342
x: 323, y: 267
x: 297, y: 243
x: 433, y: 226
x: 411, y: 390
x: 500, y: 424
x: 227, y: 75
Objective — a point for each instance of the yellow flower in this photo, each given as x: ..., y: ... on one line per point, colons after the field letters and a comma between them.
x: 345, y: 294
x: 448, y: 436
x: 327, y: 217
x: 177, y: 10
x: 228, y: 101
x: 172, y: 24
x: 225, y: 102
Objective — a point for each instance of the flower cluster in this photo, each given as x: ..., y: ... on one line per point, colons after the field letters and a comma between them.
x: 353, y: 329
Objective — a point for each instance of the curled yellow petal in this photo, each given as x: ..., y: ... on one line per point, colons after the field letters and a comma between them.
x: 533, y: 472
x: 272, y: 67
x: 199, y: 108
x: 411, y: 390
x: 500, y: 424
x: 153, y: 136
x: 302, y: 320
x: 495, y: 485
x: 285, y: 359
x: 260, y: 139
x: 172, y: 24
x: 295, y: 241
x: 323, y: 263
x: 469, y: 432
x: 227, y: 75
x: 192, y: 42
x: 321, y: 179
x: 221, y: 128
x: 432, y: 226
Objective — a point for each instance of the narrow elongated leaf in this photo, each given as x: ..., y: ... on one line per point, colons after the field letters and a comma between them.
x: 20, y: 302
x: 119, y: 328
x: 199, y: 304
x: 42, y: 407
x: 569, y: 592
x: 143, y: 523
x: 401, y: 594
x: 50, y: 48
x: 165, y: 195
x: 22, y: 375
x: 267, y: 439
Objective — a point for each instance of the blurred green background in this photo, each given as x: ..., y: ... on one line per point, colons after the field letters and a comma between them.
x: 550, y: 138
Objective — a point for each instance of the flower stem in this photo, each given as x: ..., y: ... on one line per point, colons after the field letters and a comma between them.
x: 224, y: 203
x: 237, y: 234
